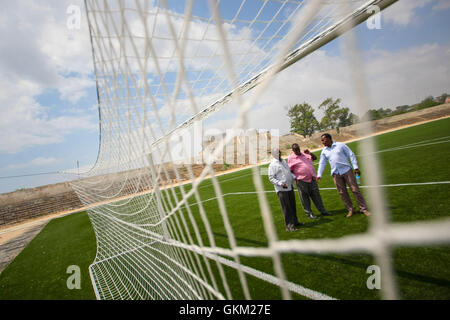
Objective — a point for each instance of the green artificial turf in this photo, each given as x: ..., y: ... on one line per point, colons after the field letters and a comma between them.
x: 421, y: 272
x: 40, y: 270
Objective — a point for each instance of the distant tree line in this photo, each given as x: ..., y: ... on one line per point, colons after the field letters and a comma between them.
x: 304, y: 122
x: 429, y: 101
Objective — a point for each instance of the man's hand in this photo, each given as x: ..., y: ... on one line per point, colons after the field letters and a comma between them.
x: 313, y: 156
x: 318, y: 179
x: 284, y: 186
x: 357, y: 172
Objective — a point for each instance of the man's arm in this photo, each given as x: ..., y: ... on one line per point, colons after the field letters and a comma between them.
x: 322, y: 162
x: 313, y: 156
x: 349, y: 153
x: 290, y: 167
x: 273, y: 179
x: 290, y: 164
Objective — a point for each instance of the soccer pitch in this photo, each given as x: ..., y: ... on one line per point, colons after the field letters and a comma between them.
x: 416, y: 184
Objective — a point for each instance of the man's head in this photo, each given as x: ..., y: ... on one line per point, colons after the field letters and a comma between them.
x: 296, y: 149
x: 276, y: 153
x: 327, y: 141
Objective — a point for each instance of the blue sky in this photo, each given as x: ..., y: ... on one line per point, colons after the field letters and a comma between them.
x: 427, y: 25
x: 48, y: 100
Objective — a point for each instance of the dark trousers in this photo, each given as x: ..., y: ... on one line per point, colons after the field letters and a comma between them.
x: 287, y: 201
x: 341, y: 181
x: 307, y: 190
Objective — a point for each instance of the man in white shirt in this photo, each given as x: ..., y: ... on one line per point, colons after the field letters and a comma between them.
x: 282, y: 178
x: 337, y: 153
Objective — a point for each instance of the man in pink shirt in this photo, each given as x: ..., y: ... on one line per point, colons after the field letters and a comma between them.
x: 300, y: 164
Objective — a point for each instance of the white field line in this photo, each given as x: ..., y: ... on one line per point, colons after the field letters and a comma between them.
x: 63, y: 214
x: 412, y: 145
x: 407, y: 233
x: 318, y: 149
x: 331, y: 188
x: 291, y: 286
x: 423, y: 141
x: 294, y: 287
x: 417, y: 233
x: 405, y: 147
x: 27, y: 225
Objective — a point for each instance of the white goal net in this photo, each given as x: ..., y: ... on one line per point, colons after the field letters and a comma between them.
x: 163, y: 67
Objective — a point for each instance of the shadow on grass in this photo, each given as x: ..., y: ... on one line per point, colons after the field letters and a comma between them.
x: 337, y: 212
x: 254, y: 242
x: 316, y: 222
x: 399, y: 273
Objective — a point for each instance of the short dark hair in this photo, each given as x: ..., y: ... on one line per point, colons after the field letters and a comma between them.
x: 295, y: 144
x: 327, y: 135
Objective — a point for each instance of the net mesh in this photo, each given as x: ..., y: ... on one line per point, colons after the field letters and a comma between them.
x: 163, y: 67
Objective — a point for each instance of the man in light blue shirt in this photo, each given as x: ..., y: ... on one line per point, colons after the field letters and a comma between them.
x: 337, y: 153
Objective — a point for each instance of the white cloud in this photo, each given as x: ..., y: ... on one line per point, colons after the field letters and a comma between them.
x: 38, y: 46
x: 37, y: 53
x: 407, y: 76
x: 36, y: 162
x: 402, y: 13
x: 25, y: 123
x: 41, y: 53
x: 395, y: 78
x: 442, y: 5
x: 74, y: 88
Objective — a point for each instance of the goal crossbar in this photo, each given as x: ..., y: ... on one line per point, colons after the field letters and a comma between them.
x: 351, y: 20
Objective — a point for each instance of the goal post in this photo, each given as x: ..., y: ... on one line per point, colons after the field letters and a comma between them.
x: 161, y: 67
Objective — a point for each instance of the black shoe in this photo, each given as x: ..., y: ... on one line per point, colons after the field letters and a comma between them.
x: 291, y: 228
x: 311, y: 216
x: 325, y: 214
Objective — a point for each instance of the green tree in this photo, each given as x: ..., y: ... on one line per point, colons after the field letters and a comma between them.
x: 371, y: 114
x: 442, y: 97
x: 401, y: 109
x: 344, y: 117
x: 330, y: 118
x: 302, y: 119
x: 354, y: 118
x: 335, y: 116
x: 385, y: 112
x: 426, y: 103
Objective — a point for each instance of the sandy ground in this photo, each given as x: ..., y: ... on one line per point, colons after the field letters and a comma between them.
x: 16, y: 241
x: 14, y: 238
